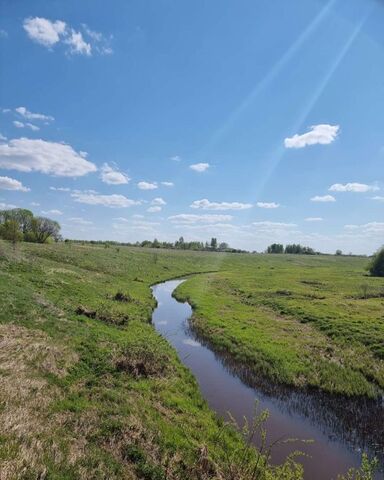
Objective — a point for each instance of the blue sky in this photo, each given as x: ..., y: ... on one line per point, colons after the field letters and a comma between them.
x: 252, y: 121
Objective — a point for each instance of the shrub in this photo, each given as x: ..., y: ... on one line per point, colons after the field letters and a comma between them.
x: 376, y: 267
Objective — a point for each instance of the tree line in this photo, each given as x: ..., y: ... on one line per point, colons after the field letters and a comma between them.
x: 20, y: 224
x: 291, y: 248
x: 212, y: 246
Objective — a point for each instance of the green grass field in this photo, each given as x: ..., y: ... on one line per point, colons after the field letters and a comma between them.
x: 89, y: 390
x: 298, y: 320
x: 102, y: 395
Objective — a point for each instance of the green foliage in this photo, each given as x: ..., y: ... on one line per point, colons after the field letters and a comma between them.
x: 275, y: 248
x: 376, y: 267
x: 20, y: 224
x: 10, y: 230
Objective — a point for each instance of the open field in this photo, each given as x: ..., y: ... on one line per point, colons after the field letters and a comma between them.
x: 98, y: 393
x: 90, y: 390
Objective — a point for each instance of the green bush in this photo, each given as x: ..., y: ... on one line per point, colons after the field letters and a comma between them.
x: 376, y: 267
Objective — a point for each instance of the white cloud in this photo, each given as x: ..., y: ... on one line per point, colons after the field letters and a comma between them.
x: 154, y: 209
x: 77, y: 44
x: 323, y: 198
x: 319, y: 134
x: 147, y: 185
x: 18, y: 124
x: 80, y: 221
x: 7, y: 183
x: 52, y: 212
x: 353, y: 187
x: 112, y: 201
x: 34, y: 128
x: 52, y: 158
x: 7, y: 206
x: 199, y: 167
x: 100, y: 43
x: 112, y: 176
x: 49, y: 33
x: 176, y: 158
x: 158, y: 201
x: 35, y: 204
x: 60, y: 189
x: 368, y: 228
x: 43, y: 31
x: 2, y: 138
x: 378, y: 198
x: 268, y: 205
x: 33, y: 116
x: 274, y: 225
x: 205, y: 204
x: 167, y: 184
x: 313, y: 219
x: 3, y: 33
x: 186, y: 218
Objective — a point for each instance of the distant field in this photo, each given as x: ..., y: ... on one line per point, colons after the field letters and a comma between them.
x: 88, y: 389
x: 299, y: 320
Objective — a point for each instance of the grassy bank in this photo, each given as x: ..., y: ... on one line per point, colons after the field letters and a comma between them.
x: 88, y: 389
x: 297, y: 320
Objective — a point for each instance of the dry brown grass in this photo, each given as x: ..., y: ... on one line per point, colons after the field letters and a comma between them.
x: 25, y: 396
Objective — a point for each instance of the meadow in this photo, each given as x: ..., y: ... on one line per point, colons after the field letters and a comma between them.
x: 88, y: 389
x: 303, y: 321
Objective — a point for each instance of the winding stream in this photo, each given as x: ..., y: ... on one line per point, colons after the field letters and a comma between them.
x: 226, y: 390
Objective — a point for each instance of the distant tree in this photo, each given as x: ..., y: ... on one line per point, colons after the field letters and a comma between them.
x: 338, y: 252
x: 275, y: 248
x: 376, y: 267
x: 223, y: 246
x: 156, y: 243
x: 214, y: 243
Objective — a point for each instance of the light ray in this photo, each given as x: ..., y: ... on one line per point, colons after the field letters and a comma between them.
x: 265, y: 81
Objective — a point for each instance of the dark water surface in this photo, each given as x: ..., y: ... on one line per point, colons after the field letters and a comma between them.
x: 292, y: 415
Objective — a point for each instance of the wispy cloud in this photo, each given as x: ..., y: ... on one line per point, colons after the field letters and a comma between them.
x: 205, y: 204
x: 322, y: 134
x: 353, y: 187
x: 268, y: 205
x: 112, y: 201
x: 147, y: 185
x: 49, y: 33
x: 323, y: 198
x: 313, y: 219
x: 25, y: 113
x: 205, y: 218
x: 199, y: 167
x: 53, y: 212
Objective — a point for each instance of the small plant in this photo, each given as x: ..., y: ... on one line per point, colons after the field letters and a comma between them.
x: 365, y: 472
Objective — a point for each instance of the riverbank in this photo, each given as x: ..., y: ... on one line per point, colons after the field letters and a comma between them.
x: 88, y: 387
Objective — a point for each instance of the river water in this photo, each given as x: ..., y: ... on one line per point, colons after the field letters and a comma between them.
x: 292, y: 415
